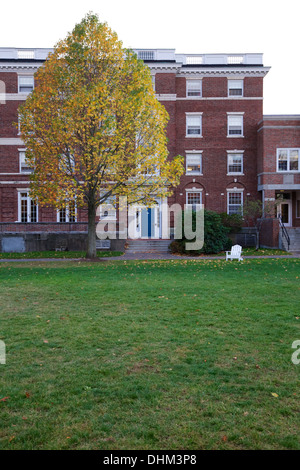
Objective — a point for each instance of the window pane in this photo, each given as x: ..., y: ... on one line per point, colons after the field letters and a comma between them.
x: 282, y: 160
x: 193, y: 87
x: 235, y: 87
x: 63, y: 215
x: 26, y: 84
x: 194, y: 125
x: 235, y: 125
x: 33, y: 214
x: 235, y: 203
x: 194, y: 198
x: 294, y: 158
x: 235, y: 163
x: 24, y: 212
x: 193, y: 164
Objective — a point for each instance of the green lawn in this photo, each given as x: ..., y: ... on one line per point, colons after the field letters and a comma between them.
x: 57, y: 254
x: 150, y: 355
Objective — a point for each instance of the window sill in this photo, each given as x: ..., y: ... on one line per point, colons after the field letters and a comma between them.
x: 194, y: 136
x: 194, y: 174
x: 235, y: 174
x: 236, y: 136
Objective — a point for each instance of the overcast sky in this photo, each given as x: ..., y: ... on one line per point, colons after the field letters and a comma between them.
x: 270, y: 27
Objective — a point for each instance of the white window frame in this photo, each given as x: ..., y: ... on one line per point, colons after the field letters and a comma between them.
x: 22, y: 160
x: 67, y: 208
x: 193, y: 191
x: 235, y: 191
x: 193, y: 81
x: 191, y: 115
x: 193, y: 154
x: 288, y: 150
x: 28, y: 202
x: 235, y: 115
x: 235, y: 153
x: 230, y: 86
x: 19, y: 83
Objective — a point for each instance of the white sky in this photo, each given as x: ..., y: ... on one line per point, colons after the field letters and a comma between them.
x: 270, y: 27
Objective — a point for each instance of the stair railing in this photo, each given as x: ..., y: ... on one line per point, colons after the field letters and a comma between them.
x: 284, y: 232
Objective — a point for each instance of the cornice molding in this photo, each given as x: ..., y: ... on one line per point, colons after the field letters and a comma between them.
x: 17, y: 67
x: 227, y: 73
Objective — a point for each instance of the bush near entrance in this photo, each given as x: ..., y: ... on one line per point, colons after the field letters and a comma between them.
x: 215, y: 236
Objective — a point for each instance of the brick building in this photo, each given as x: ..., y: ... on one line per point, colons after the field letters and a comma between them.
x: 215, y: 103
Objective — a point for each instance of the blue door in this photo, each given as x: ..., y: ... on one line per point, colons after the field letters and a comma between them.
x: 148, y: 222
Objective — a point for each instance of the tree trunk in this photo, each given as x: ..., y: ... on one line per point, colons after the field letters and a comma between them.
x: 91, y: 242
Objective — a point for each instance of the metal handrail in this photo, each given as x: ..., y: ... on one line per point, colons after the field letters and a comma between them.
x: 284, y: 231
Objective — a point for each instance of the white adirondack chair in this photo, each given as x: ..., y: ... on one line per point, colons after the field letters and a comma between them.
x: 235, y: 253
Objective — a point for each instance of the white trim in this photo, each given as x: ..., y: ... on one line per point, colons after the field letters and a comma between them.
x: 235, y: 190
x: 188, y: 81
x: 219, y: 98
x: 11, y: 141
x: 288, y: 149
x: 232, y: 191
x: 67, y: 214
x: 232, y: 114
x: 191, y: 114
x: 193, y: 153
x: 232, y: 173
x: 194, y: 190
x: 29, y: 200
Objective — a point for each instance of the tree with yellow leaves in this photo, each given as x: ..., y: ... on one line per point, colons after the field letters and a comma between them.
x: 93, y: 127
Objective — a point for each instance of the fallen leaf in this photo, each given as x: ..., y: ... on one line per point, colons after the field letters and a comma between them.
x: 224, y: 438
x: 4, y: 399
x: 274, y: 395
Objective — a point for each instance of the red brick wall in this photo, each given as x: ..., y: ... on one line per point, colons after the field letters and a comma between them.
x: 215, y: 142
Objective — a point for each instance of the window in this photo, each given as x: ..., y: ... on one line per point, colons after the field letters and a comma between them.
x: 26, y: 84
x: 288, y: 159
x: 108, y: 209
x: 235, y: 88
x: 234, y: 125
x: 234, y: 163
x: 234, y: 202
x: 24, y: 168
x: 67, y: 213
x: 193, y: 164
x: 194, y: 125
x: 193, y: 199
x: 27, y: 208
x: 193, y: 87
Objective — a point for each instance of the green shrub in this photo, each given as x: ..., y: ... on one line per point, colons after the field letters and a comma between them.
x: 215, y: 236
x: 234, y: 222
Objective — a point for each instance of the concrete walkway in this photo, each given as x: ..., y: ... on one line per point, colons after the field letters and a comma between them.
x: 140, y: 256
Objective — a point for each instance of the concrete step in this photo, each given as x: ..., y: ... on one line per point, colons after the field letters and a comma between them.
x: 148, y: 246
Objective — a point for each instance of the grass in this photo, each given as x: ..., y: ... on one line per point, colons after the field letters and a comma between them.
x: 57, y: 254
x: 150, y: 355
x: 247, y: 252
